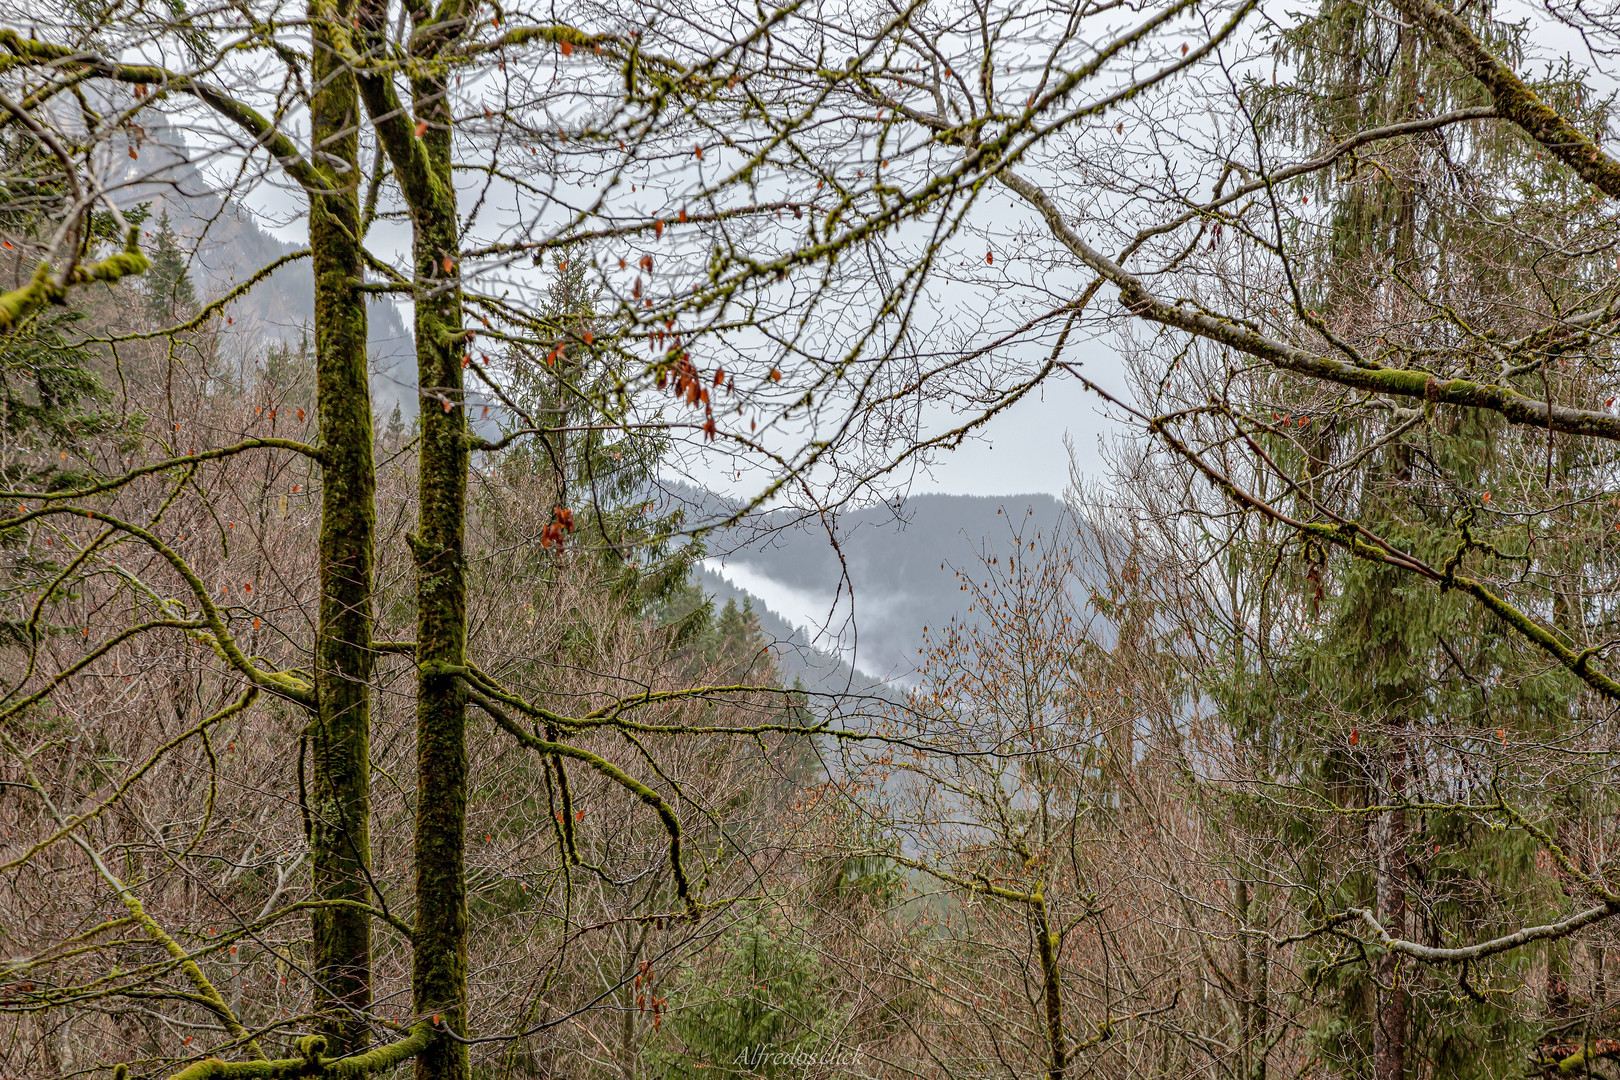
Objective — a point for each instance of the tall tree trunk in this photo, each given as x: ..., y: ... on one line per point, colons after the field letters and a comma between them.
x: 1253, y: 976
x: 1389, y: 1030
x: 439, y: 972
x: 420, y: 150
x: 340, y: 842
x: 1049, y: 944
x: 439, y: 975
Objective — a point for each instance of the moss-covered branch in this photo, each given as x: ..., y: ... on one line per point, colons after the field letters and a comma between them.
x: 213, y: 307
x: 1505, y: 401
x: 1514, y: 100
x: 207, y: 994
x: 1048, y: 944
x: 612, y: 714
x: 236, y: 707
x: 44, y: 289
x: 218, y: 636
x: 18, y: 51
x: 312, y: 1063
x: 977, y: 883
x: 113, y: 483
x: 1363, y: 544
x: 28, y: 701
x: 1571, y: 1058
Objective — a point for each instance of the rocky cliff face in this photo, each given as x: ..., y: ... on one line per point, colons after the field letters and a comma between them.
x: 228, y: 242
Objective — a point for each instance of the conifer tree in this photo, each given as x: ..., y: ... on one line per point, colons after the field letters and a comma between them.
x: 1402, y: 666
x: 170, y: 294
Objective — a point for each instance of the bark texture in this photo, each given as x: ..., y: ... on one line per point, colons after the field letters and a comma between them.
x: 1389, y: 1030
x: 340, y: 842
x: 419, y: 149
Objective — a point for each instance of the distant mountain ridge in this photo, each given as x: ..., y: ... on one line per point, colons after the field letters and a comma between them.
x: 899, y: 563
x: 819, y: 671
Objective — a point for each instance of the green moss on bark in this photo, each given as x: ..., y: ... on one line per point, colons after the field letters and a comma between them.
x: 312, y: 1061
x: 340, y: 734
x: 42, y: 289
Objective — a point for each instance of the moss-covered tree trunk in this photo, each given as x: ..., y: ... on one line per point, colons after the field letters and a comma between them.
x: 439, y: 976
x: 1049, y: 945
x: 419, y: 148
x: 340, y: 844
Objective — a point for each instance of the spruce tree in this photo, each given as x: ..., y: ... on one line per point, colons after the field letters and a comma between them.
x: 1404, y: 669
x: 170, y: 294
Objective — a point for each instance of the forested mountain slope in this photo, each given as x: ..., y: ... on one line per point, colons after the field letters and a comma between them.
x: 898, y: 562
